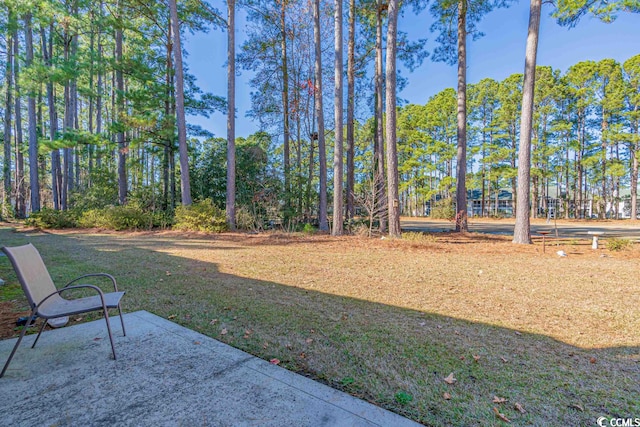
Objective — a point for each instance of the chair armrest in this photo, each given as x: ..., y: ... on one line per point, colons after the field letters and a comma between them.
x: 113, y: 279
x: 66, y: 288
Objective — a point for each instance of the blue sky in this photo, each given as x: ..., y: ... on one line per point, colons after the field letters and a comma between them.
x: 497, y: 55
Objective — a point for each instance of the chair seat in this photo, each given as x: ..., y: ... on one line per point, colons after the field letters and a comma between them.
x: 68, y: 307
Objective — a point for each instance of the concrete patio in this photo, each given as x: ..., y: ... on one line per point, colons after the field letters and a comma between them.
x: 165, y: 375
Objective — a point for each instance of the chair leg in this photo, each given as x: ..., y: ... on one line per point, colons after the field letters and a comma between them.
x: 122, y: 320
x: 44, y: 323
x: 13, y: 352
x: 106, y: 318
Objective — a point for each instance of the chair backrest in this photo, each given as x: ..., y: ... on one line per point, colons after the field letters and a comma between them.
x: 32, y: 273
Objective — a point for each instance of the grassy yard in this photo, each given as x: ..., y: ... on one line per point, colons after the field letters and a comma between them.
x: 542, y: 339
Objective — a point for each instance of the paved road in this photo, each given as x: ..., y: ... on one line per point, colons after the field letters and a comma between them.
x: 565, y: 229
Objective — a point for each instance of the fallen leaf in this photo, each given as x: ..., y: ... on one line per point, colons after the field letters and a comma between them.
x: 168, y: 273
x: 309, y: 340
x: 497, y: 399
x: 446, y: 396
x: 476, y: 357
x: 461, y: 357
x: 303, y: 355
x: 439, y: 326
x: 171, y: 317
x: 576, y: 406
x: 504, y: 359
x: 265, y: 345
x: 274, y: 361
x: 78, y: 319
x: 196, y: 342
x: 213, y: 322
x: 223, y: 332
x: 450, y: 379
x: 518, y: 333
x: 501, y: 416
x: 519, y: 408
x: 593, y: 360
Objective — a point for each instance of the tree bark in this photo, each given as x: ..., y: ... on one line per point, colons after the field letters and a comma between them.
x: 338, y: 217
x: 20, y: 184
x: 7, y: 116
x: 522, y: 230
x: 185, y: 184
x: 34, y: 180
x: 56, y: 172
x: 351, y: 110
x: 120, y: 139
x: 392, y: 154
x: 285, y: 112
x: 322, y: 152
x: 635, y: 151
x: 461, y: 157
x: 231, y: 119
x: 378, y: 149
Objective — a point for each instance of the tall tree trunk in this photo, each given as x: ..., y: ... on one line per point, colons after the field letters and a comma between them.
x: 322, y: 152
x: 99, y: 88
x: 20, y: 184
x: 461, y: 158
x: 168, y: 143
x: 231, y: 119
x: 522, y: 230
x: 351, y: 110
x: 392, y: 154
x: 378, y: 149
x: 635, y: 151
x: 120, y: 111
x: 7, y: 117
x: 56, y: 172
x: 185, y: 184
x: 338, y: 217
x: 285, y: 112
x: 34, y: 180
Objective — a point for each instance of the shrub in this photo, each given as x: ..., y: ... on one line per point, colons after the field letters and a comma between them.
x: 201, y: 216
x: 619, y: 244
x: 443, y: 209
x: 117, y: 218
x: 245, y: 219
x: 51, y: 218
x: 418, y: 237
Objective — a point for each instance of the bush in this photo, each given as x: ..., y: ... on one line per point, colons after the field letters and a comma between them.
x: 117, y: 218
x: 246, y: 220
x: 619, y: 244
x: 51, y: 218
x: 201, y: 216
x: 443, y: 209
x: 418, y: 237
x: 309, y: 229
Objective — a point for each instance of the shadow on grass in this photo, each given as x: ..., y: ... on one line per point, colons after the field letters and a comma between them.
x: 372, y: 350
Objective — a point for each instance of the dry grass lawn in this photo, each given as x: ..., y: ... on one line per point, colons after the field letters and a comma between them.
x: 389, y: 320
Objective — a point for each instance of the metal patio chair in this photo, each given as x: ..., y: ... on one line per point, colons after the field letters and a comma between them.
x: 46, y: 301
